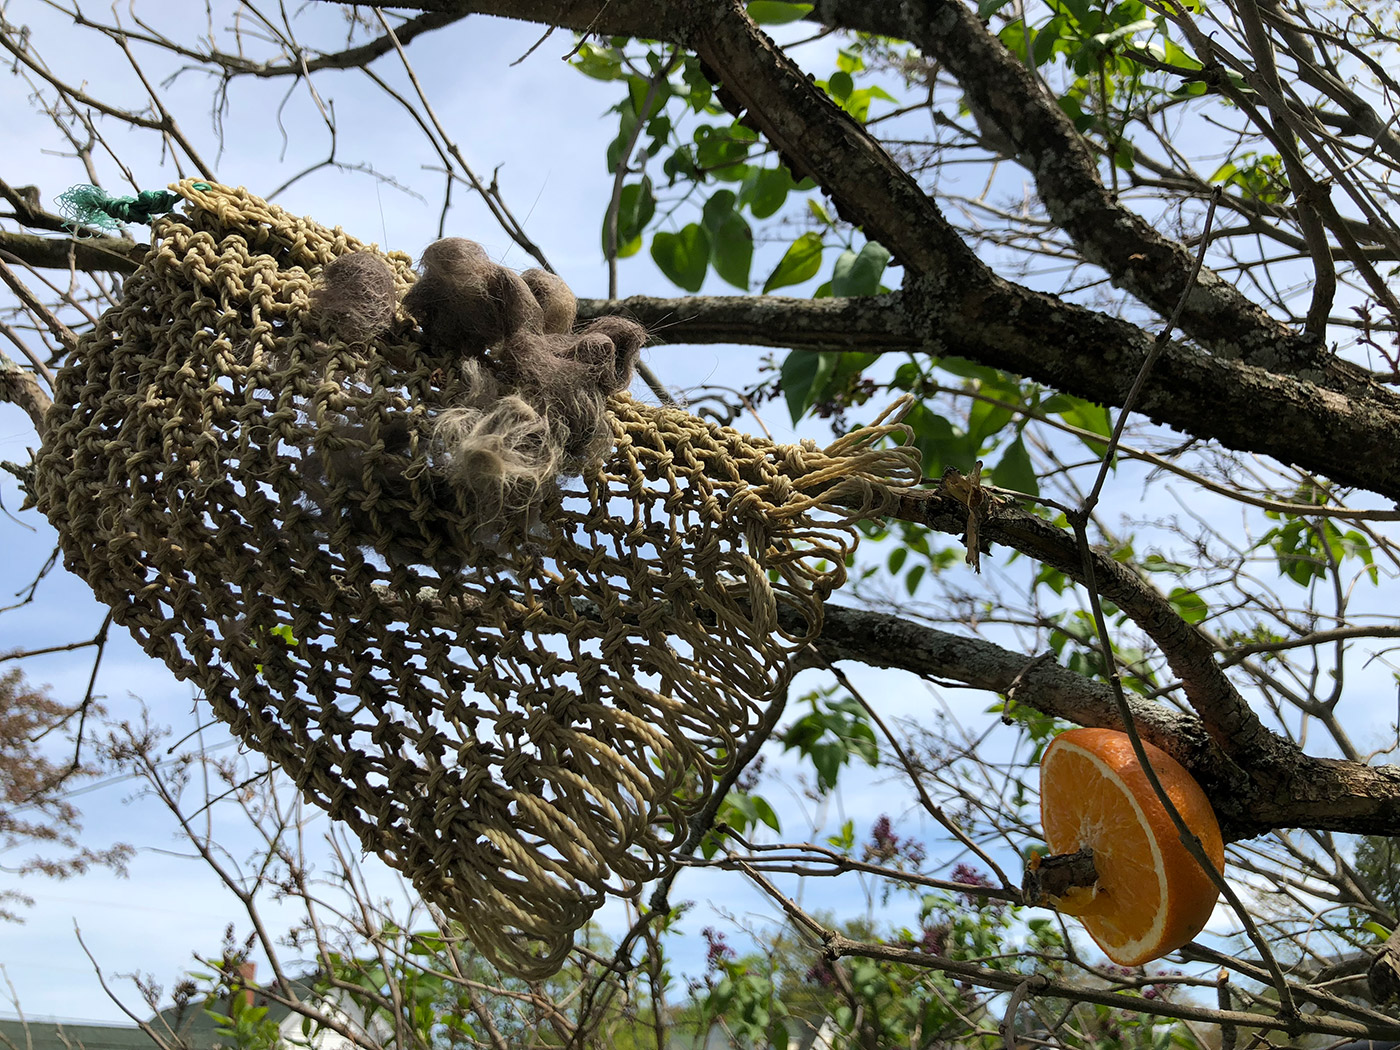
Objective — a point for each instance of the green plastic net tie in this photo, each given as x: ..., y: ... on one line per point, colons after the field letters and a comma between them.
x: 94, y: 206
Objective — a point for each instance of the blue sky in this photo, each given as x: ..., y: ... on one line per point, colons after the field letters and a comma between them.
x: 541, y: 128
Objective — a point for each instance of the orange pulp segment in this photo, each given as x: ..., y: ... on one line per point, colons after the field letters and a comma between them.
x: 1151, y: 896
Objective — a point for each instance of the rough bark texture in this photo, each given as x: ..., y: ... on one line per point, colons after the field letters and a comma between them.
x: 1327, y: 421
x: 1243, y: 379
x: 21, y: 388
x: 92, y: 255
x: 1276, y: 786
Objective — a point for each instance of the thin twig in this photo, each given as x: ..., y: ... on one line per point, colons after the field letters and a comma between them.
x: 935, y: 810
x: 1079, y: 520
x: 31, y: 302
x: 1158, y: 345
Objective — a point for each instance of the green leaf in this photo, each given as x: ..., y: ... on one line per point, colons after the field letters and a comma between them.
x: 1188, y: 605
x: 846, y: 840
x: 731, y: 250
x: 765, y: 813
x: 718, y: 208
x: 1355, y: 545
x: 1078, y: 8
x: 1123, y: 33
x: 1156, y: 563
x: 939, y: 444
x: 659, y: 128
x: 960, y: 366
x: 1015, y: 470
x: 827, y: 759
x: 800, y: 263
x: 701, y: 90
x: 1177, y: 56
x: 683, y: 257
x: 626, y: 124
x: 638, y: 87
x: 1125, y: 155
x: 840, y: 86
x: 681, y: 164
x: 858, y: 273
x: 765, y: 191
x: 1091, y: 417
x: 804, y: 374
x: 857, y: 103
x: 600, y: 63
x: 775, y: 13
x: 1049, y: 39
x: 911, y: 581
x: 722, y: 151
x: 820, y: 212
x: 636, y: 206
x: 985, y: 419
x: 731, y: 240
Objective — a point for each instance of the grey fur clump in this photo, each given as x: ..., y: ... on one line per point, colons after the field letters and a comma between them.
x: 467, y: 304
x: 535, y: 407
x: 531, y: 406
x: 556, y: 301
x: 354, y: 298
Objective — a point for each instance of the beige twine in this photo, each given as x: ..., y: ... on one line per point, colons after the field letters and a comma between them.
x: 520, y: 718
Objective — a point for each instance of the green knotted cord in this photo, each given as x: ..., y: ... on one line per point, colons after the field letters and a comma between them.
x: 93, y: 206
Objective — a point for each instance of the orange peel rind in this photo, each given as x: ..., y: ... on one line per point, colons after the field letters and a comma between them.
x: 1152, y: 896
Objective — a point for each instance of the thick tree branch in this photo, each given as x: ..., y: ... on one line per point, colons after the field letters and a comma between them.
x: 91, y: 254
x: 816, y: 138
x: 1234, y: 727
x: 1138, y: 258
x: 22, y: 388
x: 885, y: 640
x: 1290, y: 790
x: 877, y: 324
x: 1332, y: 422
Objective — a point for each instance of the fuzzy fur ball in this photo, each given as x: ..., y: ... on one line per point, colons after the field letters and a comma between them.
x: 354, y: 298
x: 532, y: 404
x: 556, y: 301
x: 465, y: 303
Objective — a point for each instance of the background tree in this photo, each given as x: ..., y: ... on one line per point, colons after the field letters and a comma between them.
x: 33, y: 808
x: 1132, y: 258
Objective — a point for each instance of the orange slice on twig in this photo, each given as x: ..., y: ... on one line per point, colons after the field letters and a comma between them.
x: 1150, y: 896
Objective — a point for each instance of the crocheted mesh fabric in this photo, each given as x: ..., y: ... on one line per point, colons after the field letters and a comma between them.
x: 521, y: 716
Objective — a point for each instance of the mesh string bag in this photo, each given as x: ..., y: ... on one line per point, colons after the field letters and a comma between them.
x: 519, y: 703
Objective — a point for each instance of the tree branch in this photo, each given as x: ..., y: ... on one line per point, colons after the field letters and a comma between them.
x: 1138, y: 258
x: 885, y: 640
x: 812, y: 133
x: 1234, y: 727
x: 90, y: 254
x: 22, y: 388
x: 1336, y: 423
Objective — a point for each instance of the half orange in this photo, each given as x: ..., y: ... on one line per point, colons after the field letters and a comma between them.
x: 1151, y: 896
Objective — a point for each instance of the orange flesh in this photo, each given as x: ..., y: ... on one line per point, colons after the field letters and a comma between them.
x: 1152, y: 896
x: 1130, y: 888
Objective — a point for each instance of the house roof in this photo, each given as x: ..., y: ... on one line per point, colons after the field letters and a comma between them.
x: 189, y: 1026
x: 49, y: 1034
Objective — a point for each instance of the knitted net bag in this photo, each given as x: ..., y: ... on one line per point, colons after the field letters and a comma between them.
x: 516, y: 694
